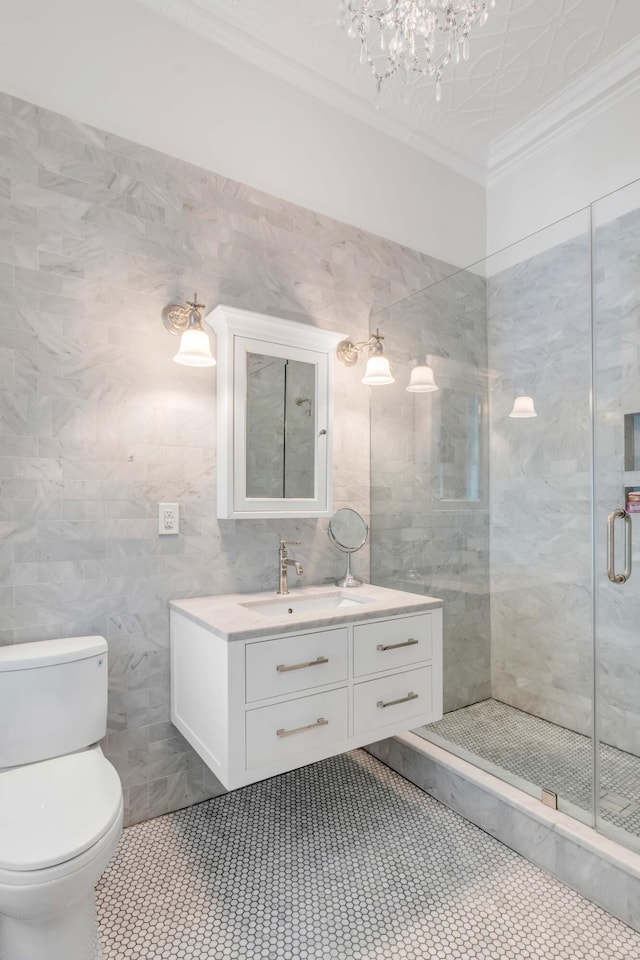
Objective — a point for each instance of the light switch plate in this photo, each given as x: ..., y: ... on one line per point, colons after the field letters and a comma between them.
x: 168, y: 518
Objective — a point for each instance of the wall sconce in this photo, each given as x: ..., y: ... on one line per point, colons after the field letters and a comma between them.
x: 422, y: 380
x: 195, y: 349
x: 523, y: 408
x: 378, y: 370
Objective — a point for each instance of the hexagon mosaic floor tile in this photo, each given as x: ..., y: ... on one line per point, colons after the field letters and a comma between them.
x: 341, y: 860
x: 545, y: 755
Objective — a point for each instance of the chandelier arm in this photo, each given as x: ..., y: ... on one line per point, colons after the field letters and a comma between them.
x: 411, y: 31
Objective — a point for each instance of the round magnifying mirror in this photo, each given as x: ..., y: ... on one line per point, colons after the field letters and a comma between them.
x: 348, y: 532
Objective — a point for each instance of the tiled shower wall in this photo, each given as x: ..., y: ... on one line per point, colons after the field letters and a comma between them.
x: 539, y: 316
x: 520, y: 627
x: 617, y: 342
x: 539, y: 326
x: 98, y: 425
x: 517, y: 628
x: 430, y: 523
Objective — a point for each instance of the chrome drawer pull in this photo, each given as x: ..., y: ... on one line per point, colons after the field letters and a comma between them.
x: 283, y: 668
x: 392, y: 703
x: 320, y: 722
x: 394, y: 646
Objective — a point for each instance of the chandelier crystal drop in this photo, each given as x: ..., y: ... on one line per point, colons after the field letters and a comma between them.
x: 417, y: 37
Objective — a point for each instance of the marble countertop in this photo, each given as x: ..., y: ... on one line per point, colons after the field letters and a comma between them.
x: 228, y: 618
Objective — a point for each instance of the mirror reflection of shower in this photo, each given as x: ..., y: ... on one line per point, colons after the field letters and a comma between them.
x: 280, y: 427
x: 302, y: 400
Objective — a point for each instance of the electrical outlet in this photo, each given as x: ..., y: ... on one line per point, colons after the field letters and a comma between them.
x: 168, y: 518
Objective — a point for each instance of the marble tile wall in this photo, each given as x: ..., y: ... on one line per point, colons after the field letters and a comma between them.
x: 617, y: 352
x: 97, y: 425
x: 539, y: 317
x: 532, y: 645
x: 520, y: 628
x: 429, y: 534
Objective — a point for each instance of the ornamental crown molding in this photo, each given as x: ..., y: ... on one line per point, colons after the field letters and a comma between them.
x: 192, y: 15
x: 580, y: 102
x: 577, y: 105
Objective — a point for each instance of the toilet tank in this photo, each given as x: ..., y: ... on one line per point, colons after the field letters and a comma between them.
x: 53, y: 698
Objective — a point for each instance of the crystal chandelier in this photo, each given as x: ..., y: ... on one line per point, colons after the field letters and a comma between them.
x: 419, y: 37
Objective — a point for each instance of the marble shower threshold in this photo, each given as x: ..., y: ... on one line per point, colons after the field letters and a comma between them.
x: 599, y: 868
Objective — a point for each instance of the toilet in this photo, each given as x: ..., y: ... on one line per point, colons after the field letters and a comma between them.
x: 60, y: 798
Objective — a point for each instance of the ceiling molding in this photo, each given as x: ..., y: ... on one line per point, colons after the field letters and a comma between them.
x: 578, y: 104
x: 193, y: 16
x: 556, y: 120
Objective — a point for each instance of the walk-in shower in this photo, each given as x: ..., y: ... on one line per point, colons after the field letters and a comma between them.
x: 507, y: 519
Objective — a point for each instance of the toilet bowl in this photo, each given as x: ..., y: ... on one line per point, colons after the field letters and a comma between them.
x: 60, y: 817
x: 60, y: 823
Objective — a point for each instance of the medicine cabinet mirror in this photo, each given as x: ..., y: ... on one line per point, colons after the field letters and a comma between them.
x: 274, y: 415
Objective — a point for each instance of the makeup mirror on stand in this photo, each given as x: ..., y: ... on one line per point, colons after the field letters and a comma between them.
x: 348, y: 532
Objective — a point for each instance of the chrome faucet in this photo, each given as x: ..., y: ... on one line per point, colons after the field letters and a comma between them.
x: 285, y: 561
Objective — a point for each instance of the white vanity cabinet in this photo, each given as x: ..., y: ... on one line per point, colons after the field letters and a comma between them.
x: 260, y: 705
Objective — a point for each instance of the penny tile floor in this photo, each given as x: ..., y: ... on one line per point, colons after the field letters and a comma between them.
x: 340, y: 860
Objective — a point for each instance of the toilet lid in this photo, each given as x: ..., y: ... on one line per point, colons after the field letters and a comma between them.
x: 54, y: 810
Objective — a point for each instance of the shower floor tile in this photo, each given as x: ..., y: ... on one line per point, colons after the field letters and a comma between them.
x: 545, y: 755
x: 341, y: 860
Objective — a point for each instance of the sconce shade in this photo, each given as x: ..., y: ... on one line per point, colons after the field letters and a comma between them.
x: 195, y: 349
x: 378, y: 371
x: 422, y: 380
x: 523, y: 408
x: 185, y: 322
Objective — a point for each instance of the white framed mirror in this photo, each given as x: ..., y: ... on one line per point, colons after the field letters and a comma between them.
x: 275, y: 402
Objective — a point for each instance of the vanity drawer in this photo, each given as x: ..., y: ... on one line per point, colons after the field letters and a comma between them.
x: 296, y: 726
x: 387, y: 700
x: 299, y: 662
x: 391, y: 643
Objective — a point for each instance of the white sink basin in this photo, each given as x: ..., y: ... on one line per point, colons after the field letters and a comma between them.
x: 291, y: 605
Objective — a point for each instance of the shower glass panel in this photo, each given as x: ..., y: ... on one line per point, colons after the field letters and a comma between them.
x: 429, y: 482
x: 616, y: 271
x: 494, y: 514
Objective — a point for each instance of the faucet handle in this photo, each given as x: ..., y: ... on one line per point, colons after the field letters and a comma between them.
x: 290, y: 543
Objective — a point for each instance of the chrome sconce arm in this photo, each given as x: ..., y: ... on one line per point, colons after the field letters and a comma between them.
x: 348, y: 352
x: 378, y: 371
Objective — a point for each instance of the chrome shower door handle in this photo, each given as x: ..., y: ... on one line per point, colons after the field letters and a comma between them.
x: 618, y: 514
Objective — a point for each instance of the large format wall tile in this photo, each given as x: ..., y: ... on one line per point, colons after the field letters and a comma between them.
x: 97, y: 234
x: 617, y: 342
x: 429, y: 470
x: 540, y: 344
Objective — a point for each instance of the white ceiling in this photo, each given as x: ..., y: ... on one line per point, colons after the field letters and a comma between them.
x: 533, y: 64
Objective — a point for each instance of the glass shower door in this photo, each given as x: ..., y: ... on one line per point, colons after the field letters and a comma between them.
x: 491, y: 511
x: 616, y: 352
